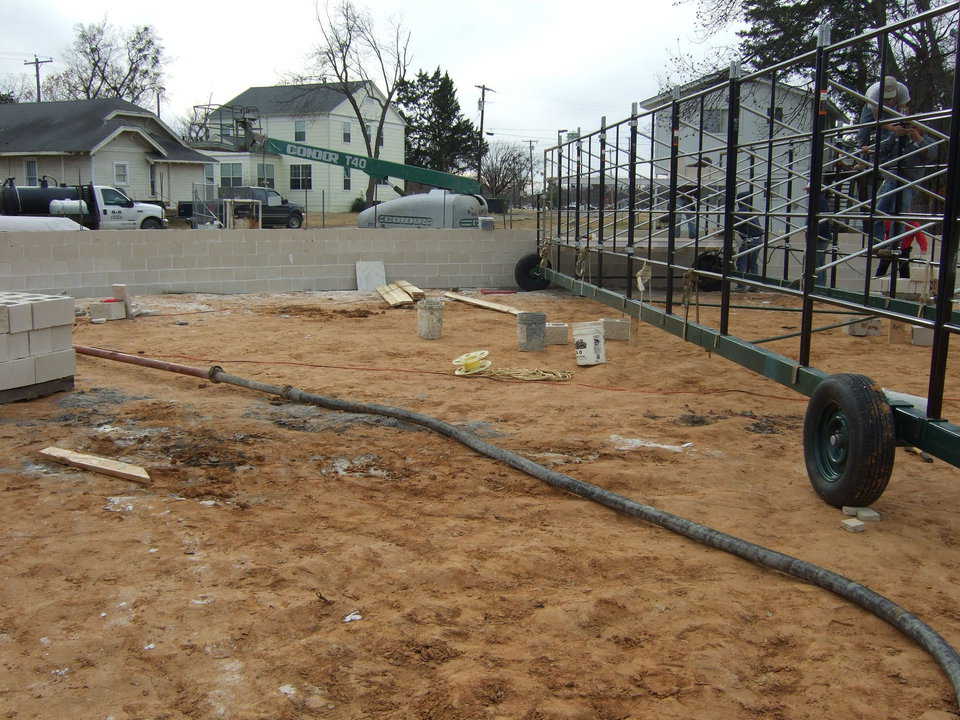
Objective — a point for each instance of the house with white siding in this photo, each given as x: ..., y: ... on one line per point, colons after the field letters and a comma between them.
x: 319, y: 115
x: 106, y: 141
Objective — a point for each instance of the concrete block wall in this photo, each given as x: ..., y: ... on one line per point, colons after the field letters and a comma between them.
x: 36, y: 339
x: 87, y: 264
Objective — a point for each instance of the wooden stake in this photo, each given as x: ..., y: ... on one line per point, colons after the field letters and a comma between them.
x: 134, y: 473
x: 482, y: 303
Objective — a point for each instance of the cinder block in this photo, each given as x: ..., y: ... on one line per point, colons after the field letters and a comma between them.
x: 52, y: 339
x: 17, y: 373
x: 52, y: 311
x: 868, y: 515
x: 850, y: 510
x: 616, y: 329
x: 870, y: 326
x: 557, y: 334
x: 852, y: 525
x: 15, y: 315
x: 53, y: 366
x: 922, y: 336
x: 107, y: 311
x: 14, y: 346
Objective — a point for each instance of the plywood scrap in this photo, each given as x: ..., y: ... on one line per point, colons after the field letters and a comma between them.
x: 394, y: 295
x: 411, y: 289
x: 482, y: 303
x: 116, y: 468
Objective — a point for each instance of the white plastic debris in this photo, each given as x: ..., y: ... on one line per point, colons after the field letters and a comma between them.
x: 149, y: 646
x: 353, y: 616
x: 622, y: 443
x: 288, y: 690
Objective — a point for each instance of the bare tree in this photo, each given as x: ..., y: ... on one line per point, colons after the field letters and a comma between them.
x: 505, y: 169
x: 105, y: 62
x: 16, y: 89
x: 353, y: 52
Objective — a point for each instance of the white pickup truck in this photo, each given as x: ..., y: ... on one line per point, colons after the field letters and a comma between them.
x: 98, y: 207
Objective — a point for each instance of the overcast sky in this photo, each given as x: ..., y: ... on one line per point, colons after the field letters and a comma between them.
x: 557, y: 64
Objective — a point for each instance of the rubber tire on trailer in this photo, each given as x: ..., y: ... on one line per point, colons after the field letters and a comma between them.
x: 295, y: 221
x: 849, y: 440
x: 151, y: 223
x: 711, y: 262
x: 527, y: 273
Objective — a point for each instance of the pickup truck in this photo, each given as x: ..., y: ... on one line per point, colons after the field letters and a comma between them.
x: 276, y: 210
x: 98, y: 207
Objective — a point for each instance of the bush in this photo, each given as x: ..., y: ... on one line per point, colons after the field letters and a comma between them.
x: 359, y: 205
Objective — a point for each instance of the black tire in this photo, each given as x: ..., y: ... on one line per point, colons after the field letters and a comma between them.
x: 295, y: 221
x: 849, y: 440
x: 151, y: 223
x: 527, y: 273
x: 711, y: 261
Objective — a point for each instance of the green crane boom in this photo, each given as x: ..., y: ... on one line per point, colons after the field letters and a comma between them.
x: 375, y: 167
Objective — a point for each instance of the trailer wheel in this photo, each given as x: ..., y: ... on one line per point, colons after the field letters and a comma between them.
x: 151, y: 223
x: 528, y: 274
x: 295, y: 221
x: 849, y: 440
x: 711, y: 262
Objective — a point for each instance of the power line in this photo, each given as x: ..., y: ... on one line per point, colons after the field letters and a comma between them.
x: 483, y: 102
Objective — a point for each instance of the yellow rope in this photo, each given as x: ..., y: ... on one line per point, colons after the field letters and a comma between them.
x: 524, y: 374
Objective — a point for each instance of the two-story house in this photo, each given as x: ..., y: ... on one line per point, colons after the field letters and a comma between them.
x: 106, y: 141
x: 319, y: 115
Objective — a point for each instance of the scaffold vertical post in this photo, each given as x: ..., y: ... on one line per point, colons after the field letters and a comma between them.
x: 730, y: 193
x: 632, y: 193
x: 603, y: 198
x: 672, y: 197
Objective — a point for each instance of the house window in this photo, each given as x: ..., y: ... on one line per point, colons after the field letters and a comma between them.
x: 346, y: 132
x: 265, y: 175
x: 346, y: 178
x: 120, y: 174
x: 231, y: 174
x: 372, y: 131
x: 299, y: 130
x: 209, y: 176
x: 153, y: 180
x: 30, y: 171
x: 300, y: 177
x: 713, y: 120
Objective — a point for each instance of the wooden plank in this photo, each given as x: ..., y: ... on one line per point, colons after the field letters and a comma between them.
x: 394, y: 296
x: 411, y: 289
x: 482, y: 303
x: 134, y: 473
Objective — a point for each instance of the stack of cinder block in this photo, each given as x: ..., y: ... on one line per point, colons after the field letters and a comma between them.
x: 36, y: 345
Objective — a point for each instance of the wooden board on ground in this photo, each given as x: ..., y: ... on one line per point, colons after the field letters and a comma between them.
x: 482, y: 303
x: 411, y: 289
x: 394, y: 296
x: 106, y: 466
x: 370, y: 274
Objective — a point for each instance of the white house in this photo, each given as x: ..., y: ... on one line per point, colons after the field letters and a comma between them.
x: 107, y: 141
x: 319, y: 115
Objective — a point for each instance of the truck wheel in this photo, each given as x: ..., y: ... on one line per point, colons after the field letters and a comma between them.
x: 295, y: 221
x: 528, y: 275
x: 849, y: 440
x: 151, y: 223
x: 711, y: 262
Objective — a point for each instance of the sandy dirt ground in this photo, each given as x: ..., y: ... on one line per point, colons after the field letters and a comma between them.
x: 291, y: 562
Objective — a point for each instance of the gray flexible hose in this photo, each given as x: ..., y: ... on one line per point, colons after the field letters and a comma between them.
x: 909, y: 624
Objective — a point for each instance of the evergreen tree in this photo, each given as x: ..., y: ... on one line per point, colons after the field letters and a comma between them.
x: 439, y: 137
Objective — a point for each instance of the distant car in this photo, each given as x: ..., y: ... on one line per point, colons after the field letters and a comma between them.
x: 26, y: 223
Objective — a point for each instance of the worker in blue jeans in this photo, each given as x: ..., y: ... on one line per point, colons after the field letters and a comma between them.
x: 751, y: 238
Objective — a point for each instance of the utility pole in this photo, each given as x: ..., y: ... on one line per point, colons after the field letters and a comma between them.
x: 531, y: 143
x: 37, y: 62
x: 483, y: 103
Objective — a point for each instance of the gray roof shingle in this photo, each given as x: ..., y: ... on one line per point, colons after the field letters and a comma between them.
x: 293, y: 99
x: 77, y: 126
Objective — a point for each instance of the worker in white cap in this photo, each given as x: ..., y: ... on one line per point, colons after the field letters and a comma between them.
x: 896, y: 96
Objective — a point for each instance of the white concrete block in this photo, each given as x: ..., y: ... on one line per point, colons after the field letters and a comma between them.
x: 870, y: 326
x: 52, y: 311
x: 922, y: 336
x: 41, y: 341
x: 107, y: 311
x: 868, y: 515
x: 616, y: 329
x: 14, y: 346
x: 853, y: 525
x: 17, y: 373
x: 370, y: 275
x: 851, y: 510
x: 54, y: 366
x: 15, y: 315
x: 557, y: 334
x: 61, y: 338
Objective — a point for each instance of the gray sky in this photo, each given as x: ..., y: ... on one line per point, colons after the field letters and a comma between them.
x: 556, y: 64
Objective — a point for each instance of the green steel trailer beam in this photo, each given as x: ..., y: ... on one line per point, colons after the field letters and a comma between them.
x: 937, y: 437
x: 375, y: 167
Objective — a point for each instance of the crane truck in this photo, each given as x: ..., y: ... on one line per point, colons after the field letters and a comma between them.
x: 456, y: 203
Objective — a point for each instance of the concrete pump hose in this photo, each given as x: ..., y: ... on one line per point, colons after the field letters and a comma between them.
x: 884, y: 608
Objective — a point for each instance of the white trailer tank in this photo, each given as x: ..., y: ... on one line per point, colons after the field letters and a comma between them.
x: 435, y: 209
